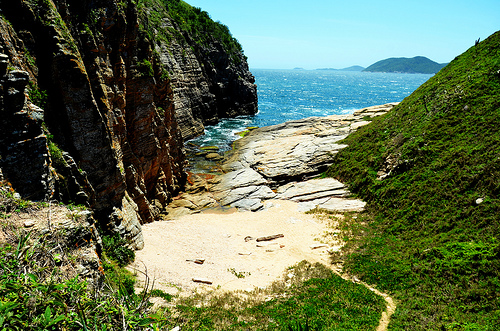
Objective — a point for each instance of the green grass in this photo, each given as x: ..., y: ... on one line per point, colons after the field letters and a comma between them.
x: 37, y: 96
x: 116, y: 249
x: 145, y: 68
x: 313, y: 296
x: 427, y: 240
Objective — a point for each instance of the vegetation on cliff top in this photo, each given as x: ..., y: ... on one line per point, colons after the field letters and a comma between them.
x: 430, y: 172
x: 193, y: 22
x: 416, y: 65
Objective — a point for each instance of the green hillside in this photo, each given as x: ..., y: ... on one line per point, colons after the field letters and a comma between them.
x: 433, y: 219
x: 193, y: 23
x: 416, y: 65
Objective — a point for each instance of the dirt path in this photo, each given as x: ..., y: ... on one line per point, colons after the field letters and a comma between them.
x: 386, y: 315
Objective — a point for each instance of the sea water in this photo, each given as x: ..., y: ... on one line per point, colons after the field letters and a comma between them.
x: 286, y: 95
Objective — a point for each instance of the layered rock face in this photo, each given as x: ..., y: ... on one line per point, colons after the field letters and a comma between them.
x: 23, y: 146
x: 206, y: 93
x: 106, y: 133
x: 209, y: 80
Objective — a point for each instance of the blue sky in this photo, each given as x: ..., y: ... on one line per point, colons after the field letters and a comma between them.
x: 313, y: 34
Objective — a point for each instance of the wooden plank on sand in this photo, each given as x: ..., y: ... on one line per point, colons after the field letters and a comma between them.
x: 202, y: 280
x: 267, y: 238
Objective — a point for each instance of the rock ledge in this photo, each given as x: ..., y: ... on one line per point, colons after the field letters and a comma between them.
x: 279, y: 162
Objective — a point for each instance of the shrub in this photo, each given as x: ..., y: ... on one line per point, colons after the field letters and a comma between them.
x: 33, y: 296
x: 145, y: 68
x: 116, y: 249
x: 37, y: 96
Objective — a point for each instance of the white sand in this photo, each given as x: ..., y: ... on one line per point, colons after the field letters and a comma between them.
x: 219, y: 239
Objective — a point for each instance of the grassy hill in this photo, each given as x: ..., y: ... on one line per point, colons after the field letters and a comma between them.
x: 430, y: 172
x: 416, y: 65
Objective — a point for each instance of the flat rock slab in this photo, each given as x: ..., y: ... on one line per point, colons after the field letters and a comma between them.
x: 311, y: 190
x: 337, y: 204
x: 297, y: 149
x: 290, y: 150
x: 333, y: 205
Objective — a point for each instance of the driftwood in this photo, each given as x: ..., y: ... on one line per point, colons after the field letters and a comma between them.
x: 267, y: 238
x: 315, y: 246
x: 197, y: 261
x: 202, y: 280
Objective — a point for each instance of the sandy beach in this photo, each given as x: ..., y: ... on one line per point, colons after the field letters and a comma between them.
x: 222, y: 241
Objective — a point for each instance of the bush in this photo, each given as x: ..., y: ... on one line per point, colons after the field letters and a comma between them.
x: 145, y: 68
x: 37, y: 96
x: 116, y: 249
x: 33, y: 297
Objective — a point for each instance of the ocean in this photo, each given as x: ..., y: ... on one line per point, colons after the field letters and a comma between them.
x: 286, y: 95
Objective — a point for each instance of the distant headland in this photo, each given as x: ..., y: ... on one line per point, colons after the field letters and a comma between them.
x: 416, y: 65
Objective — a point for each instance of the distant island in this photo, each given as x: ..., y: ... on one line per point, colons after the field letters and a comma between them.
x: 416, y: 65
x: 351, y: 68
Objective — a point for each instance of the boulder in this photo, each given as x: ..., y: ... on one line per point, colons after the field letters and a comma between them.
x: 230, y: 197
x: 239, y: 178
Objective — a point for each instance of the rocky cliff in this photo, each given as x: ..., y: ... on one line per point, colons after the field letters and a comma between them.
x: 95, y: 103
x: 208, y: 70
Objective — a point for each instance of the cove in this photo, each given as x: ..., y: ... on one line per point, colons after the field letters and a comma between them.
x: 286, y: 95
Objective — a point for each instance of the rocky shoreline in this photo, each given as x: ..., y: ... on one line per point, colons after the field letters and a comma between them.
x: 279, y: 162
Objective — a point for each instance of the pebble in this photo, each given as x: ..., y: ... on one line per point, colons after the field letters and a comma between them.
x: 29, y: 223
